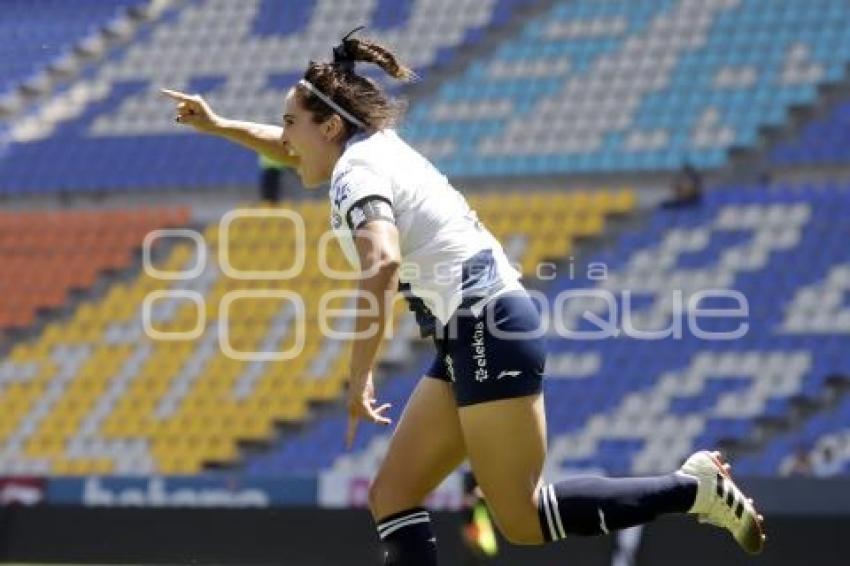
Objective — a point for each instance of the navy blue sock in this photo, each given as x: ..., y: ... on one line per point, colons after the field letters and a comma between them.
x: 597, y: 505
x: 407, y: 539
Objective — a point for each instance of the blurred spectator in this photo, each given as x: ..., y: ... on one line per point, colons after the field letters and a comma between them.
x: 800, y: 463
x: 825, y: 464
x: 686, y: 188
x: 274, y: 180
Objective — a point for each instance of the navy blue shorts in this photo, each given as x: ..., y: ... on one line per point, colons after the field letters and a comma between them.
x: 499, y: 354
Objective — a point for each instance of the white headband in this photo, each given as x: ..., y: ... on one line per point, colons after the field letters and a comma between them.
x: 336, y: 107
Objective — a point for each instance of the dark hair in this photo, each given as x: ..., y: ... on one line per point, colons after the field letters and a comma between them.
x: 360, y: 96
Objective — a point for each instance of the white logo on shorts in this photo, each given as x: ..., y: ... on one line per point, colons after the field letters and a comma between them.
x: 480, y: 356
x: 508, y: 373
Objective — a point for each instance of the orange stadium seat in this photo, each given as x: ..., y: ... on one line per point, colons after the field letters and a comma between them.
x: 47, y: 254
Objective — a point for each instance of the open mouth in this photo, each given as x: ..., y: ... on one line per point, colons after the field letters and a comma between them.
x: 289, y: 151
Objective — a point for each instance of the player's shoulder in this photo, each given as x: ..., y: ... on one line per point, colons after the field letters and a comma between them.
x: 363, y: 168
x: 362, y: 153
x: 358, y: 174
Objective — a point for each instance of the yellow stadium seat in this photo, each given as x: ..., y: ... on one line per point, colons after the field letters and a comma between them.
x: 624, y: 201
x: 216, y: 450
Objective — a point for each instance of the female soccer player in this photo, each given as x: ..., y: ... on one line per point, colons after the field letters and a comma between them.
x: 398, y: 219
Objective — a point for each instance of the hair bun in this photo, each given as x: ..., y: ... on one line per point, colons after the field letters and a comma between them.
x: 343, y: 57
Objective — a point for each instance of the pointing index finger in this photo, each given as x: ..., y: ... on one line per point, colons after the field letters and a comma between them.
x: 175, y: 94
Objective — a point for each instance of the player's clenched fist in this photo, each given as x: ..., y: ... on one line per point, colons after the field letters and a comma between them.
x: 193, y: 110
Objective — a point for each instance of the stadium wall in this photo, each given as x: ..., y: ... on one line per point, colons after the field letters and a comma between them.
x: 291, y: 537
x: 805, y: 516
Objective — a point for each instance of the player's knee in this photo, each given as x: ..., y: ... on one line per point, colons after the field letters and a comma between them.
x: 376, y: 496
x: 520, y: 526
x: 387, y: 497
x: 523, y: 534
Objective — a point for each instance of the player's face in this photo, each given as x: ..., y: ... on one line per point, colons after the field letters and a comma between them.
x: 314, y: 144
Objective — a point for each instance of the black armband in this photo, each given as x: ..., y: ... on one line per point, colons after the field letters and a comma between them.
x: 367, y: 209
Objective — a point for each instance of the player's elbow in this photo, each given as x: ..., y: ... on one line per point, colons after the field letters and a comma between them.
x: 385, y: 259
x: 380, y: 266
x: 387, y: 264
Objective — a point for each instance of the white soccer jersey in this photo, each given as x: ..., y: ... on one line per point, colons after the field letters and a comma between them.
x: 447, y: 254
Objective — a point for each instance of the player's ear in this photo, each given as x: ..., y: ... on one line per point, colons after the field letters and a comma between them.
x: 333, y: 127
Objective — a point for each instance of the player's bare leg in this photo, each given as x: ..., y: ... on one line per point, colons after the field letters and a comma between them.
x: 426, y: 447
x: 506, y: 442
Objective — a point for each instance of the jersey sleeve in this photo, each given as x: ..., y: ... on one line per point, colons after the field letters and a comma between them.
x: 360, y: 194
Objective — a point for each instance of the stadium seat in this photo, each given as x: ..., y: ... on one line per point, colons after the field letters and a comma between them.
x: 52, y: 254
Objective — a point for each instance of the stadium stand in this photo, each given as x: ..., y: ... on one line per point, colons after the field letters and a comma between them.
x: 821, y: 142
x: 677, y: 395
x: 31, y: 42
x: 585, y: 87
x: 826, y: 428
x: 47, y: 255
x: 99, y: 395
x: 626, y: 405
x: 629, y: 86
x: 551, y: 221
x: 113, y: 119
x: 106, y: 393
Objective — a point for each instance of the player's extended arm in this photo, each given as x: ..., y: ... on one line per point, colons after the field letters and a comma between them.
x: 380, y: 258
x: 194, y: 111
